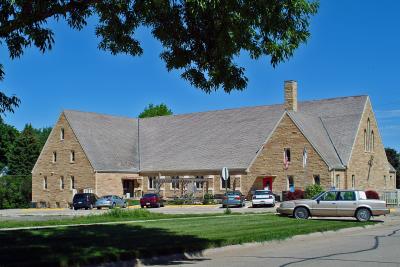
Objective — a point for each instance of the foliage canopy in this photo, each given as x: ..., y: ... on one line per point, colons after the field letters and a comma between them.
x: 155, y: 110
x: 200, y: 38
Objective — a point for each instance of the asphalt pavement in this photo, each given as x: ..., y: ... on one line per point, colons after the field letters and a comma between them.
x: 374, y: 246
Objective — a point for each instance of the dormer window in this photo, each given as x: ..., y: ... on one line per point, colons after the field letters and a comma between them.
x: 54, y: 157
x: 62, y: 134
x: 72, y: 156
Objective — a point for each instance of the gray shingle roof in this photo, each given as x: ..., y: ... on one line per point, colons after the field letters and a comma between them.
x: 214, y: 139
x: 109, y: 142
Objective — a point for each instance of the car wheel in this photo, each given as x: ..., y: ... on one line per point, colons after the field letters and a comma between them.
x: 158, y: 205
x: 99, y: 208
x: 301, y: 213
x: 91, y: 207
x: 273, y: 205
x: 142, y: 206
x: 113, y: 205
x: 363, y: 215
x: 253, y: 206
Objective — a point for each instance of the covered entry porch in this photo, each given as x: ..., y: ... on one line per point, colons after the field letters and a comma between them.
x: 132, y: 187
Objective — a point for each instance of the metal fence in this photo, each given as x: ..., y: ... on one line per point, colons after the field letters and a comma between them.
x: 392, y: 198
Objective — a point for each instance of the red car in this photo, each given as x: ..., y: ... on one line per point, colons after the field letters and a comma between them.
x: 151, y: 200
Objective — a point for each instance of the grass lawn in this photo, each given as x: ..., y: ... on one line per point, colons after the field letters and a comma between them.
x: 77, y: 246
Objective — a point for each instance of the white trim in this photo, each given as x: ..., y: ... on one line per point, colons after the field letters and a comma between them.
x: 148, y: 182
x: 266, y: 141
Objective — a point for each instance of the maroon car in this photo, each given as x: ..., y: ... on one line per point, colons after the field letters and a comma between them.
x: 151, y: 200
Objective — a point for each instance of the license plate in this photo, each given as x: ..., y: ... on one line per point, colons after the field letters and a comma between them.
x: 147, y: 203
x: 79, y: 202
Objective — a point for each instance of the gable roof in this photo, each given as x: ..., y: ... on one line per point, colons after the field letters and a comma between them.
x: 110, y: 143
x: 215, y: 139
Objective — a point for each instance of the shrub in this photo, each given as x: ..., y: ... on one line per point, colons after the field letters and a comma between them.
x: 371, y: 194
x: 313, y: 190
x: 208, y: 199
x: 297, y: 194
x: 121, y: 213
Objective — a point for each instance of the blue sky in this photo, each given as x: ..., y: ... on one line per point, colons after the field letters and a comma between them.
x: 353, y: 50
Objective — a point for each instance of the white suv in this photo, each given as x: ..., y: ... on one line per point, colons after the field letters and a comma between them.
x: 264, y: 198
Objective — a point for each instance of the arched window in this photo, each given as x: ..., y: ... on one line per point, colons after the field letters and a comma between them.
x: 365, y: 140
x: 368, y: 135
x: 372, y: 141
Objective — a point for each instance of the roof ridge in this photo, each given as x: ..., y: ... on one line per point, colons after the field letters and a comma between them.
x: 102, y: 114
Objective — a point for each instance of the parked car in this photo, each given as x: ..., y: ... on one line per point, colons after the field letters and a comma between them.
x: 110, y: 201
x: 84, y: 201
x: 151, y: 200
x: 263, y: 198
x: 335, y: 203
x: 233, y: 199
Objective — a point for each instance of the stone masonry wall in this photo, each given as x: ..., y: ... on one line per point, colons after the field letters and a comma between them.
x: 81, y: 169
x: 358, y: 165
x: 269, y: 161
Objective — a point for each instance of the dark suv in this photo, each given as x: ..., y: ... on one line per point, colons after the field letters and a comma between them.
x: 84, y: 201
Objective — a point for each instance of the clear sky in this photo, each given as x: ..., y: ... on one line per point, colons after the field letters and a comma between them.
x: 354, y: 49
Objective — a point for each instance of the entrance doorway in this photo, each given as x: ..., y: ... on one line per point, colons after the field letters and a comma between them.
x: 129, y: 187
x: 267, y: 183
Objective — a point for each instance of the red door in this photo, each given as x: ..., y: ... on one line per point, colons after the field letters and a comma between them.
x: 267, y: 183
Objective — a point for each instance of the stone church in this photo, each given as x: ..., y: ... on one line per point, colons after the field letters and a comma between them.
x: 332, y: 142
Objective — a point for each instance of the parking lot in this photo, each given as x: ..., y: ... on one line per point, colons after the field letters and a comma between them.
x: 47, y: 214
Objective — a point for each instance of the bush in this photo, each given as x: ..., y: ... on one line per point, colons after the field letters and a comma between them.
x: 15, y: 191
x: 208, y: 199
x: 371, y: 194
x: 313, y: 190
x: 297, y: 194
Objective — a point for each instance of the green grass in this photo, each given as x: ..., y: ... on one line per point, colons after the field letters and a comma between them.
x: 77, y: 246
x: 110, y: 216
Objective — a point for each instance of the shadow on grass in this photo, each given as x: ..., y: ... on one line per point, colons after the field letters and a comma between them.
x: 92, y: 245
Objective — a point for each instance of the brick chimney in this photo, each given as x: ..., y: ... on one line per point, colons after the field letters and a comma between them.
x: 291, y: 95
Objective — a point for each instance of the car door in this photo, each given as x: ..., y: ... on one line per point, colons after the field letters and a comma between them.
x: 325, y: 205
x: 346, y: 203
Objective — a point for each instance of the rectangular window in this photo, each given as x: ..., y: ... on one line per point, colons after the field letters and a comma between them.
x: 54, y: 156
x: 72, y: 156
x: 72, y: 182
x: 62, y: 134
x: 62, y: 185
x: 45, y: 182
x: 227, y: 183
x: 287, y: 155
x: 385, y: 181
x: 151, y: 182
x: 290, y: 183
x: 317, y: 180
x: 337, y: 181
x: 353, y: 181
x: 199, y: 184
x: 175, y: 182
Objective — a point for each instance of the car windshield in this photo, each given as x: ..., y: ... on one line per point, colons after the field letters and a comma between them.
x: 106, y: 197
x: 149, y: 195
x: 263, y: 192
x: 317, y: 196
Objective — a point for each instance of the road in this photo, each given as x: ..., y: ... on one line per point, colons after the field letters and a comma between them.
x: 376, y: 246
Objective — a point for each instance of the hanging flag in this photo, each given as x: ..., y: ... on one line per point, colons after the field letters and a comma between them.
x: 305, y: 156
x: 285, y: 160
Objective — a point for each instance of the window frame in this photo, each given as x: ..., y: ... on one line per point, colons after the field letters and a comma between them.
x: 200, y: 185
x: 174, y: 181
x: 54, y: 160
x: 353, y: 181
x: 339, y: 193
x: 72, y: 156
x: 45, y: 184
x: 288, y: 182
x: 222, y: 183
x: 319, y: 179
x: 62, y: 183
x: 150, y: 178
x: 72, y: 182
x: 62, y: 134
x: 288, y: 154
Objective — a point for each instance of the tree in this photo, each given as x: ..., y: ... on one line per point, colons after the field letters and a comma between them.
x: 8, y: 134
x: 201, y: 38
x: 24, y: 152
x: 394, y: 159
x: 155, y: 110
x: 42, y: 134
